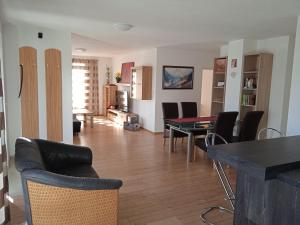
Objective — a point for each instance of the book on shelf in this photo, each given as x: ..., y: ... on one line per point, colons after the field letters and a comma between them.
x: 248, y: 100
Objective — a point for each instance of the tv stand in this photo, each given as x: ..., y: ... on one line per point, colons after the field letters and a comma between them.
x: 118, y: 116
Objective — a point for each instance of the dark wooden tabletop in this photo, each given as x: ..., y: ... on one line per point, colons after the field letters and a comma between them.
x: 264, y: 159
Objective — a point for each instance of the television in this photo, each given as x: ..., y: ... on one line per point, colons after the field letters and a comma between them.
x: 123, y: 101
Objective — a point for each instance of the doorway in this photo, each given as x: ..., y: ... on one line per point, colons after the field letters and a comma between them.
x: 206, y: 92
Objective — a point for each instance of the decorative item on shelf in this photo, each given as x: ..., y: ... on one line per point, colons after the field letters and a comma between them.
x: 118, y: 77
x: 177, y: 77
x: 221, y: 84
x: 107, y: 74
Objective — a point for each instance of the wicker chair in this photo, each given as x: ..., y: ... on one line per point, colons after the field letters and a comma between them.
x: 61, y: 187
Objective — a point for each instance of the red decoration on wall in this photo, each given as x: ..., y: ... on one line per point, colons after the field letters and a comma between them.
x: 126, y: 71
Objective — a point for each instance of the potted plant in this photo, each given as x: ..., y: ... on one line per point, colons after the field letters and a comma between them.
x: 118, y: 77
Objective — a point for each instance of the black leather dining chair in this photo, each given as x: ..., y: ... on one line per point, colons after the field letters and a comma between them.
x: 223, y: 126
x: 189, y: 109
x: 249, y: 126
x: 170, y: 111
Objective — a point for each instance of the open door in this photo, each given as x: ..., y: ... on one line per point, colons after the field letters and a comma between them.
x: 206, y: 92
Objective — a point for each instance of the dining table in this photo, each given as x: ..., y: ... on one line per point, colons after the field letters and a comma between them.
x: 189, y: 126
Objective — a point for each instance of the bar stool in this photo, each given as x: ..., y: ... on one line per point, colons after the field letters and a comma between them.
x: 210, y: 140
x: 264, y: 133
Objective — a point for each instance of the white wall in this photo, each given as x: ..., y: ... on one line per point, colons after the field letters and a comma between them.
x: 145, y: 108
x: 200, y: 60
x: 19, y: 35
x: 282, y: 50
x: 234, y: 76
x: 11, y: 79
x: 293, y: 127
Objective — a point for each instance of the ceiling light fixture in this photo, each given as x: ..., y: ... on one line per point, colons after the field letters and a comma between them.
x: 80, y: 49
x: 123, y: 26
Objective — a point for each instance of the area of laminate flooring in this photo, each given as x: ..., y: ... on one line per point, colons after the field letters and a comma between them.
x: 159, y: 188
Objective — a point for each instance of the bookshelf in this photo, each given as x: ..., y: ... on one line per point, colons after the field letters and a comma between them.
x: 256, y: 85
x: 219, y: 85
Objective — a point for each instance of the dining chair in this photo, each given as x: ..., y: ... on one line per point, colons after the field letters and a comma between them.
x: 223, y: 126
x: 249, y: 126
x: 210, y: 140
x: 269, y: 133
x: 170, y: 111
x: 189, y: 109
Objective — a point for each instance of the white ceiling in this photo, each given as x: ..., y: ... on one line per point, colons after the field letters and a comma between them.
x: 191, y: 23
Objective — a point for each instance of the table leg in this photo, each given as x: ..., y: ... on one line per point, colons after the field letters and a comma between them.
x: 92, y: 121
x: 171, y: 140
x: 190, y: 148
x: 84, y: 119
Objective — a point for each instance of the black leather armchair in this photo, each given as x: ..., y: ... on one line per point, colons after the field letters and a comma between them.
x: 61, y: 187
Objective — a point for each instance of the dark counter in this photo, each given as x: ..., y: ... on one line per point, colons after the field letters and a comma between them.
x: 268, y: 180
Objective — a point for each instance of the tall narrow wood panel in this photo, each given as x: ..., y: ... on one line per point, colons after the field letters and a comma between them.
x: 29, y: 92
x: 54, y: 94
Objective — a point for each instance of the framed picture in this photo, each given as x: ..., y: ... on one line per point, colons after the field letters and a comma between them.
x: 126, y: 71
x: 233, y: 63
x: 177, y: 77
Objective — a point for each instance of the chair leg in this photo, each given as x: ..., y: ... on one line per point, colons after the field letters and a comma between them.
x: 229, y: 194
x: 210, y: 209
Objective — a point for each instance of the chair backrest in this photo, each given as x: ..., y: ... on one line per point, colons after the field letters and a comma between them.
x: 224, y: 125
x: 189, y: 109
x: 249, y: 125
x: 170, y: 110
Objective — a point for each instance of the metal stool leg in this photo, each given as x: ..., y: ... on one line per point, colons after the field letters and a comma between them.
x: 229, y: 193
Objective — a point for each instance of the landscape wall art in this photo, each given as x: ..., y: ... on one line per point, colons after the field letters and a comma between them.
x: 177, y: 77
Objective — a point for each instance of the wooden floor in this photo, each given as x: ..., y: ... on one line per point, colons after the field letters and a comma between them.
x: 159, y: 188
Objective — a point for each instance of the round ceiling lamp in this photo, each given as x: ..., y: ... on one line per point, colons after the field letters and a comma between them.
x: 123, y: 26
x: 80, y: 49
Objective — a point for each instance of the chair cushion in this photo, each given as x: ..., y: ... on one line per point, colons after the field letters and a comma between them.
x: 82, y: 170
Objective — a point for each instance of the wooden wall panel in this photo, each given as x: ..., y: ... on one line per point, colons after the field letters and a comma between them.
x: 29, y: 94
x: 54, y: 95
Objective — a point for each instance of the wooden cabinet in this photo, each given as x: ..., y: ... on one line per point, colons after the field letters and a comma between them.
x: 109, y: 97
x: 141, y: 83
x: 256, y: 85
x: 219, y: 85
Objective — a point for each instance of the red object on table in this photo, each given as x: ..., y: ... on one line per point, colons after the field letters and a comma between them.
x: 194, y: 119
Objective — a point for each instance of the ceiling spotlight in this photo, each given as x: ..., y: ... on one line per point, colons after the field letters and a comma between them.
x: 80, y: 49
x: 123, y: 26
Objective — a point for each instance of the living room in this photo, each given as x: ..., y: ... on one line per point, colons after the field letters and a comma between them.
x: 159, y: 34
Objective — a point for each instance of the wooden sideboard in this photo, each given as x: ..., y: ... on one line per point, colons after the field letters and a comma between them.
x: 109, y: 97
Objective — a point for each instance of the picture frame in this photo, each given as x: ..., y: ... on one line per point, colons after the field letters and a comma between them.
x: 177, y: 77
x: 233, y: 63
x: 126, y: 72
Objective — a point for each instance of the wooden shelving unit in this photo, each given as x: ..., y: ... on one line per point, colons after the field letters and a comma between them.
x: 109, y: 97
x: 218, y: 89
x: 141, y: 83
x: 256, y: 85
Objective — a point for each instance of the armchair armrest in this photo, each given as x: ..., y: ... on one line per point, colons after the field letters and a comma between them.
x: 58, y: 155
x: 80, y: 183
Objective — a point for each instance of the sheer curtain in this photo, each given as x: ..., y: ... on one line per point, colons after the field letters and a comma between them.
x: 85, y: 84
x: 4, y: 205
